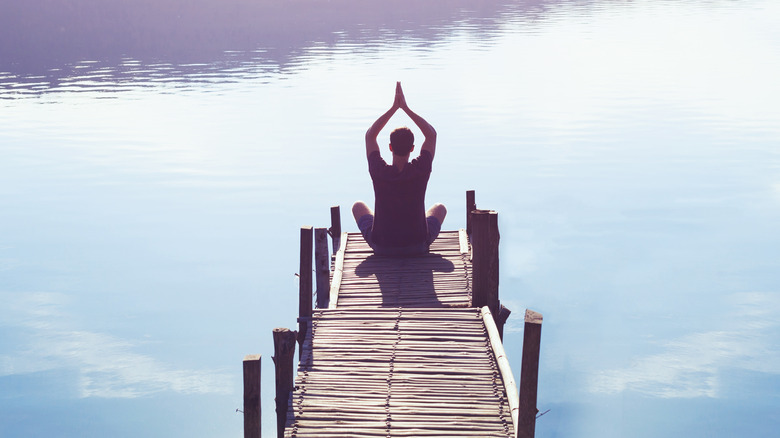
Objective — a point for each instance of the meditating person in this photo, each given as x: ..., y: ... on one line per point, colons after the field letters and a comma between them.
x: 400, y: 224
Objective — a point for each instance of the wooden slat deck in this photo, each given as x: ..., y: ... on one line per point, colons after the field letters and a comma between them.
x: 398, y: 373
x: 400, y: 354
x: 441, y: 278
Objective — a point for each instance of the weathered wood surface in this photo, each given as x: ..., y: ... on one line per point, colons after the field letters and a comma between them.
x: 284, y: 351
x: 305, y: 282
x: 441, y: 278
x: 484, y: 238
x: 398, y: 372
x: 529, y: 374
x: 322, y: 267
x: 252, y: 390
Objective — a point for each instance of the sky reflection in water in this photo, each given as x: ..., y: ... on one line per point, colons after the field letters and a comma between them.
x: 630, y: 149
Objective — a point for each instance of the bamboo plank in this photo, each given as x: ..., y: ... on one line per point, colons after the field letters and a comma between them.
x: 438, y: 279
x: 399, y: 372
x: 338, y: 271
x: 503, y: 364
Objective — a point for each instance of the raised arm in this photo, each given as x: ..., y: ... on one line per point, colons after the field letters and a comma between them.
x: 372, y: 133
x: 427, y: 130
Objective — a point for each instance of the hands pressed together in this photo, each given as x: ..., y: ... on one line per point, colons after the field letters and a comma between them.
x: 400, y: 99
x: 400, y: 103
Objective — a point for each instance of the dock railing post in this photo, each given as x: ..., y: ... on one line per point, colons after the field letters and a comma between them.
x: 529, y: 375
x: 335, y: 227
x: 305, y: 285
x: 252, y: 405
x: 471, y: 205
x: 322, y: 267
x: 484, y: 243
x: 503, y: 315
x: 284, y: 351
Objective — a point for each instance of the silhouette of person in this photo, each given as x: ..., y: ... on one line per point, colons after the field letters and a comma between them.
x: 401, y: 225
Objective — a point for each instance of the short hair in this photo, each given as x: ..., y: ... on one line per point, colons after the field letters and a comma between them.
x: 402, y: 140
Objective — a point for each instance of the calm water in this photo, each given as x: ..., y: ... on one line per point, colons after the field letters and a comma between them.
x: 158, y: 159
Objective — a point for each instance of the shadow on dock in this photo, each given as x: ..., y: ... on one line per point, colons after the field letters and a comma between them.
x: 406, y: 282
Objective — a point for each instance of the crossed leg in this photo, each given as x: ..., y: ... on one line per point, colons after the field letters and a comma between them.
x: 439, y: 211
x: 360, y: 209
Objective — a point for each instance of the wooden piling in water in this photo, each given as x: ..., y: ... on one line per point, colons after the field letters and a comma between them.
x: 484, y: 243
x: 529, y: 374
x: 305, y: 284
x: 322, y: 267
x: 503, y: 315
x: 335, y: 227
x: 284, y: 351
x: 252, y: 405
x: 471, y: 205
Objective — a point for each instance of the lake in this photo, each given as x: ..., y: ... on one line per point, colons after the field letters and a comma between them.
x: 159, y: 158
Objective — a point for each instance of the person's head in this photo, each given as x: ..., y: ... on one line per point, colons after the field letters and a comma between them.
x: 401, y: 141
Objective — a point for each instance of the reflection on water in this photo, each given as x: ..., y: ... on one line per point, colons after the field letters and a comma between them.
x: 150, y: 209
x: 129, y: 74
x: 691, y: 366
x: 86, y: 44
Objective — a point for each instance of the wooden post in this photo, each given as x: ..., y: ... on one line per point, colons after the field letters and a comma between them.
x: 484, y: 243
x: 529, y: 374
x: 335, y: 227
x: 471, y: 205
x: 284, y: 351
x: 322, y: 267
x: 305, y: 287
x: 503, y: 315
x: 252, y: 406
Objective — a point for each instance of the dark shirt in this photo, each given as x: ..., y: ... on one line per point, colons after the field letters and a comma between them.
x: 399, y: 208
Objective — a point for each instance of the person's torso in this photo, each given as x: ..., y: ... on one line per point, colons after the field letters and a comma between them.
x: 399, y: 216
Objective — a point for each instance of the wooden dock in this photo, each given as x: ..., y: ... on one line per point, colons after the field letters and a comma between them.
x: 441, y: 278
x: 398, y: 372
x: 400, y: 350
